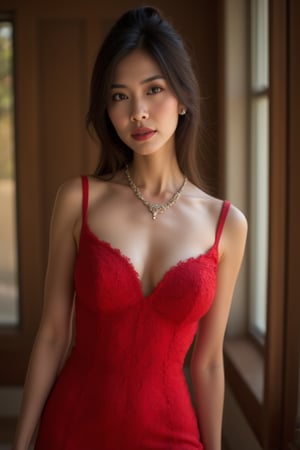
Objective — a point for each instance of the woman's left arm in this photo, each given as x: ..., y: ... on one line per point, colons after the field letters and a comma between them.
x: 207, y: 370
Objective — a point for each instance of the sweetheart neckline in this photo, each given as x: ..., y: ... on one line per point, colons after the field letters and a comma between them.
x: 134, y: 272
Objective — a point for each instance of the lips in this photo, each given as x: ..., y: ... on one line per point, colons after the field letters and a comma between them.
x: 143, y: 134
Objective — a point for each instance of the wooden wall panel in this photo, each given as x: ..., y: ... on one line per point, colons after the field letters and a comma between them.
x: 61, y: 106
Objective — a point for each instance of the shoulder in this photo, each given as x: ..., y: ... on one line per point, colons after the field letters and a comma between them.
x: 71, y: 191
x: 236, y: 222
x: 235, y: 232
x: 235, y: 226
x: 69, y: 194
x: 68, y: 201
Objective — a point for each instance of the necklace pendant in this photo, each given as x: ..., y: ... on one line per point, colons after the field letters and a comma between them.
x: 154, y: 209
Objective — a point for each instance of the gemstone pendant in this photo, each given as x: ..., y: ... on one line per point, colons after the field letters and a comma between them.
x: 155, y: 209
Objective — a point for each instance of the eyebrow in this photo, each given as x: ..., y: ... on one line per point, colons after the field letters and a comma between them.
x: 147, y: 80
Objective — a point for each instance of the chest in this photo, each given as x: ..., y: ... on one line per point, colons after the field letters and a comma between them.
x: 152, y: 249
x: 107, y: 282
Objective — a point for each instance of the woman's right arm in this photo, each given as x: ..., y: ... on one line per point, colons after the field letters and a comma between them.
x: 54, y: 334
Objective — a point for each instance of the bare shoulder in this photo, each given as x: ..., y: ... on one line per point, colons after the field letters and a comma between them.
x: 69, y: 194
x: 70, y: 187
x: 235, y: 228
x: 236, y: 223
x: 235, y: 232
x: 68, y: 202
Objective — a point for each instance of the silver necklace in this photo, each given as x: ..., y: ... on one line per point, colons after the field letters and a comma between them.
x: 154, y: 208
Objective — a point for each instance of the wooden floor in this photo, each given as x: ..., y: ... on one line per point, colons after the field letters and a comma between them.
x: 7, y: 429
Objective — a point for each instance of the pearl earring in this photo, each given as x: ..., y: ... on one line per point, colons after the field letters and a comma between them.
x: 182, y: 112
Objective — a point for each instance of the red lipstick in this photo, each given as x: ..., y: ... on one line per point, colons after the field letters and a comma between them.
x: 143, y: 134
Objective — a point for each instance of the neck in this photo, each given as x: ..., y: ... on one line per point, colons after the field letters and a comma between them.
x: 154, y: 208
x: 156, y: 178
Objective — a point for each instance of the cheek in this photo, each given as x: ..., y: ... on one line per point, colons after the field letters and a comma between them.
x: 116, y: 116
x: 168, y: 107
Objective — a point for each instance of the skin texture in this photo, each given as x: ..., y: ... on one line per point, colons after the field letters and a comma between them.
x: 117, y: 216
x: 140, y: 102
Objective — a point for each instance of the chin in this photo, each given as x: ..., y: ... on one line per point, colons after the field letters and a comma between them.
x: 145, y: 152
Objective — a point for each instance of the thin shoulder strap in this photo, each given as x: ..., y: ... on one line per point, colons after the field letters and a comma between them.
x: 222, y: 218
x: 85, y: 197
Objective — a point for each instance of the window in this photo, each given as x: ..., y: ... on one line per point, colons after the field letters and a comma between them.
x: 261, y: 111
x: 259, y: 167
x: 8, y: 224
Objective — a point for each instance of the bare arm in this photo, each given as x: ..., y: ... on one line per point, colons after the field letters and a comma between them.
x: 53, y: 337
x: 207, y: 369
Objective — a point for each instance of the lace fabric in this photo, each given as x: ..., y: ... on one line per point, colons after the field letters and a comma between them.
x: 123, y: 386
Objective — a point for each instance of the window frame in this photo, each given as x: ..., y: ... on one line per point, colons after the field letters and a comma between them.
x: 273, y: 418
x: 255, y: 92
x: 16, y: 341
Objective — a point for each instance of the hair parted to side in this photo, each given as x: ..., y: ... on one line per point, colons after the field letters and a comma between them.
x: 145, y: 28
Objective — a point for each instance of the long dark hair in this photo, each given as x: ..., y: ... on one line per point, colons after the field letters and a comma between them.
x: 145, y: 28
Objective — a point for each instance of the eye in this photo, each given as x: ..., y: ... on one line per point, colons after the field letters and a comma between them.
x: 118, y: 97
x: 155, y: 90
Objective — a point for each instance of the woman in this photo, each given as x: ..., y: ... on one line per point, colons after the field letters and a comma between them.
x: 154, y: 261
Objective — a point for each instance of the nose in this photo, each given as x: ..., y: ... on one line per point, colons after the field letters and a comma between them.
x: 139, y: 112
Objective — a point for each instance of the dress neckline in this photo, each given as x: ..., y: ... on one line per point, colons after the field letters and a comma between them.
x: 127, y: 262
x: 211, y: 252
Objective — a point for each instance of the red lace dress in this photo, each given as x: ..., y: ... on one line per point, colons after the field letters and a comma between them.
x: 123, y: 386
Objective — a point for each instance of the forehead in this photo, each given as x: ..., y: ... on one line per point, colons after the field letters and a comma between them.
x: 137, y: 65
